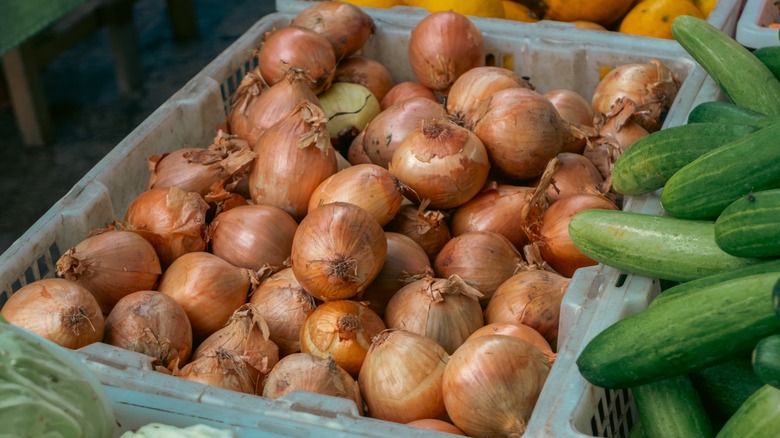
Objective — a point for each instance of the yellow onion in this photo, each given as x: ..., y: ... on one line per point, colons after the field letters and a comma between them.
x: 426, y: 227
x: 616, y: 132
x: 221, y: 370
x: 443, y: 162
x: 367, y: 72
x: 520, y: 331
x: 477, y: 84
x: 208, y: 288
x: 483, y: 259
x: 437, y: 425
x: 491, y: 385
x: 343, y: 330
x: 349, y: 107
x: 371, y: 187
x: 356, y: 154
x: 401, y: 379
x: 151, y: 323
x: 496, y: 208
x: 573, y: 108
x: 446, y: 310
x: 574, y: 174
x: 172, y: 220
x: 253, y: 236
x: 284, y: 306
x: 293, y: 158
x: 532, y: 297
x: 307, y: 372
x: 59, y: 310
x: 337, y: 251
x: 111, y: 265
x: 406, y: 90
x: 344, y: 25
x: 443, y: 46
x: 297, y: 47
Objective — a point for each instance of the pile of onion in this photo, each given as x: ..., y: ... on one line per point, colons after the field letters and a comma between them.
x: 298, y: 47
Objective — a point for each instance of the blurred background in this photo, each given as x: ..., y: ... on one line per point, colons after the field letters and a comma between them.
x: 88, y: 112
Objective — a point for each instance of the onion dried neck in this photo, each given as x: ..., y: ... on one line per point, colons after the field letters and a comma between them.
x: 347, y: 325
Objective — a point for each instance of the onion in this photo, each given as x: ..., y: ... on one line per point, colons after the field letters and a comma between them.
x: 573, y: 108
x: 370, y: 187
x: 445, y: 310
x: 426, y: 227
x: 406, y: 261
x: 443, y: 46
x: 172, y: 220
x: 443, y: 162
x: 208, y: 288
x: 293, y: 158
x: 343, y: 330
x: 617, y: 131
x: 367, y: 72
x: 284, y: 306
x: 344, y: 25
x: 574, y: 175
x: 349, y: 107
x: 496, y: 208
x: 59, y: 310
x: 491, y: 385
x: 532, y: 297
x: 401, y: 377
x: 437, y: 425
x: 483, y: 260
x: 337, y: 251
x: 652, y: 86
x: 253, y: 236
x: 297, y: 47
x: 406, y: 90
x: 476, y: 85
x: 520, y: 331
x: 153, y: 324
x: 356, y: 154
x: 111, y: 265
x: 306, y: 372
x: 390, y: 127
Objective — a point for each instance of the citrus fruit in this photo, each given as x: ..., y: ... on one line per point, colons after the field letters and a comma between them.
x: 603, y: 12
x: 653, y: 18
x: 518, y: 12
x: 475, y: 8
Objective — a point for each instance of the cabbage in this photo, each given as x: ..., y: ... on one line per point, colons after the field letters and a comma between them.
x: 45, y: 392
x: 157, y: 430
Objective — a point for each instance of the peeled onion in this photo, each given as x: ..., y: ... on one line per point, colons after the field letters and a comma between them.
x: 477, y: 84
x: 426, y: 227
x: 344, y: 25
x: 298, y: 47
x: 349, y: 107
x: 367, y: 72
x: 573, y: 108
x: 406, y: 90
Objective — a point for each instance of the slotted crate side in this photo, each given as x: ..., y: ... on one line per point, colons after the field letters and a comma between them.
x: 752, y: 28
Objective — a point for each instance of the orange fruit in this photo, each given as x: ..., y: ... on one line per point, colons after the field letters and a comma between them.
x: 582, y: 24
x: 653, y: 18
x: 603, y: 12
x: 518, y: 12
x: 705, y: 6
x: 475, y: 8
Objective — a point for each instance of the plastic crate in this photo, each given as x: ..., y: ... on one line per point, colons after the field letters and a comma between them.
x: 550, y: 57
x: 752, y: 30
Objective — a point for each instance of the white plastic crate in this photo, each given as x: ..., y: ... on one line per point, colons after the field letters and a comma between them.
x: 752, y: 30
x: 550, y: 57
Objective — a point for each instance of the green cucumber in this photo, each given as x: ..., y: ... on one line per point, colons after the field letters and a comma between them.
x: 750, y: 226
x: 683, y: 335
x: 723, y: 387
x: 766, y: 360
x: 758, y: 417
x: 742, y: 76
x: 716, y: 111
x: 671, y: 408
x: 652, y: 160
x: 770, y: 57
x: 776, y: 299
x: 705, y: 186
x: 657, y: 246
x: 637, y: 430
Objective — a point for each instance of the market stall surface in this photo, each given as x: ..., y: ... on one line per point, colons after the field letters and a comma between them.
x: 89, y: 113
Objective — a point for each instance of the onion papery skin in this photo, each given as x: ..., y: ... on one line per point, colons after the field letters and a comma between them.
x: 111, y: 265
x: 151, y: 323
x: 483, y: 259
x: 406, y: 90
x: 391, y: 126
x: 428, y: 228
x: 406, y: 261
x: 253, y: 236
x: 221, y: 370
x: 59, y: 310
x: 443, y: 46
x: 284, y: 305
x: 367, y: 72
x: 521, y: 130
x: 442, y: 162
x: 338, y: 250
x: 293, y: 158
x: 437, y: 425
x: 445, y: 310
x: 208, y: 288
x: 491, y: 385
x: 297, y: 47
x: 343, y: 330
x: 575, y: 175
x: 307, y: 372
x: 520, y: 331
x: 573, y: 108
x: 401, y: 377
x: 369, y: 186
x: 349, y: 107
x: 172, y: 220
x: 476, y: 85
x: 616, y: 132
x: 532, y: 298
x: 496, y: 208
x: 344, y: 25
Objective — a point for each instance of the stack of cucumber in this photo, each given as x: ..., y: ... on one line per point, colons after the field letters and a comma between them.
x: 704, y: 358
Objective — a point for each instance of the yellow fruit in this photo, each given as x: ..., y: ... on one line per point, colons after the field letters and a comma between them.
x: 375, y: 3
x: 518, y: 12
x: 705, y: 6
x: 475, y: 8
x: 603, y: 12
x: 581, y: 24
x: 653, y: 18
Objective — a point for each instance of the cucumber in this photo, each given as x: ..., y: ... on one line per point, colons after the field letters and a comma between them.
x: 776, y: 299
x: 683, y: 335
x: 671, y: 408
x: 724, y: 386
x: 656, y: 246
x: 716, y: 111
x: 750, y: 226
x: 653, y: 159
x: 766, y: 360
x: 637, y: 430
x: 704, y: 187
x: 770, y: 57
x: 758, y: 417
x: 742, y: 76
